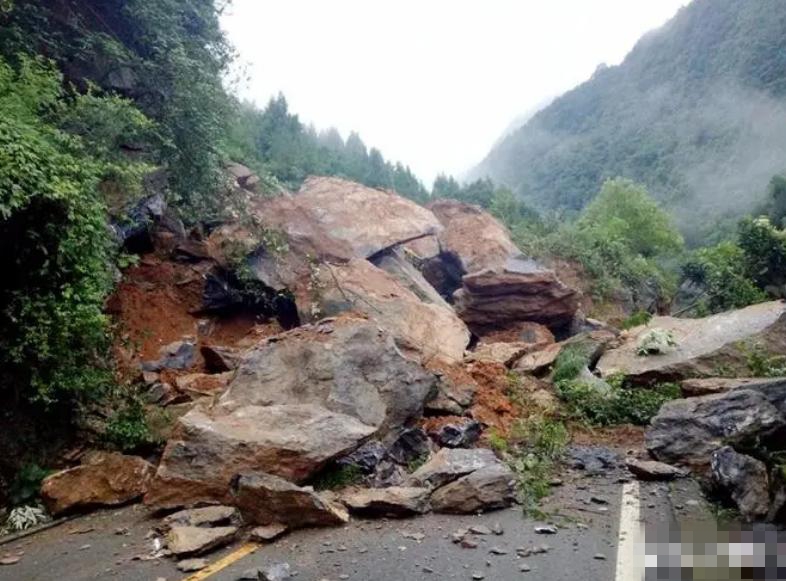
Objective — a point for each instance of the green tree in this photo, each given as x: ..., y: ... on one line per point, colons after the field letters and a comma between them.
x: 625, y: 212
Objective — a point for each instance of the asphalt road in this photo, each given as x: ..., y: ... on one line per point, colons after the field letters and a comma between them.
x: 115, y: 544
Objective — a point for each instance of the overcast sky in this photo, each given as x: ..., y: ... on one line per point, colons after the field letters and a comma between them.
x: 432, y: 83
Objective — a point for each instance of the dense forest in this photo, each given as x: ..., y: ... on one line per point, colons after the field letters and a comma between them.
x: 696, y: 112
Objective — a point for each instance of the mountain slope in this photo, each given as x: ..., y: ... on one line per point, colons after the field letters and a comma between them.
x: 697, y: 112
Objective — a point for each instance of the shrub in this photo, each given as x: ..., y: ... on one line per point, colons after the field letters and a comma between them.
x: 618, y: 406
x: 656, y: 342
x: 636, y: 320
x: 127, y: 429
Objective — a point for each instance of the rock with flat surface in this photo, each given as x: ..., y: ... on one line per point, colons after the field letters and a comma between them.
x: 539, y: 361
x: 703, y: 346
x: 200, y: 517
x: 349, y: 366
x: 187, y: 540
x: 518, y: 290
x: 422, y: 328
x: 394, y: 501
x: 653, y: 470
x: 450, y: 464
x: 344, y: 220
x: 104, y: 480
x: 488, y: 488
x: 409, y: 446
x: 264, y: 499
x: 710, y: 385
x: 687, y: 431
x: 177, y: 355
x: 209, y: 448
x: 268, y: 533
x: 505, y: 353
x: 744, y: 479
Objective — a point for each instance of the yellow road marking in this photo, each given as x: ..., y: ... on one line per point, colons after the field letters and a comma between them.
x: 224, y: 562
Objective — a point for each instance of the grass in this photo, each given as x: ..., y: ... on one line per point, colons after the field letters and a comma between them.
x: 534, y: 446
x: 335, y: 477
x: 569, y: 363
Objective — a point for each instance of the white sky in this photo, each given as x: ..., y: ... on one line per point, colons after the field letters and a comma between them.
x: 432, y: 83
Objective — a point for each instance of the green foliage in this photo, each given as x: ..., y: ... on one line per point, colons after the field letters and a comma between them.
x: 569, y: 363
x: 58, y: 251
x: 636, y: 320
x: 620, y: 405
x: 335, y: 477
x: 656, y: 342
x: 26, y: 484
x: 168, y: 56
x: 682, y: 114
x: 721, y: 272
x: 624, y: 211
x: 276, y: 142
x: 761, y: 363
x: 127, y: 429
x: 620, y: 243
x: 736, y: 274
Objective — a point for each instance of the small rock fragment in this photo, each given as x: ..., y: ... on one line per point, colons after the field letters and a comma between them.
x: 268, y: 533
x: 480, y: 530
x: 546, y: 530
x: 599, y: 557
x: 190, y: 565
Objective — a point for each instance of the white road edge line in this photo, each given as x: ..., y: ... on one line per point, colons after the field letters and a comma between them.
x: 630, y: 561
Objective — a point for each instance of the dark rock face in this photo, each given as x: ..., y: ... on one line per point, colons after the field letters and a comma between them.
x: 461, y: 435
x: 687, y: 431
x: 264, y: 499
x: 411, y: 445
x: 593, y: 459
x: 136, y: 231
x: 177, y: 355
x: 744, y: 479
x: 366, y: 458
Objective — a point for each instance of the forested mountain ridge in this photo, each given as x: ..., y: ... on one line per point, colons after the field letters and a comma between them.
x: 697, y: 112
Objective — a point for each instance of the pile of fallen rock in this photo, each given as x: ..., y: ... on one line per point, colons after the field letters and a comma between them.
x: 381, y: 298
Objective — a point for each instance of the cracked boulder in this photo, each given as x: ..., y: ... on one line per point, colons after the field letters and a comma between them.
x: 451, y: 464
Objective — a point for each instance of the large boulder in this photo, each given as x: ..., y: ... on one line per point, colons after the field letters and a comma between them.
x: 337, y: 219
x: 518, y: 290
x: 105, y: 479
x: 208, y: 449
x: 347, y: 365
x: 494, y: 284
x: 264, y: 499
x: 687, y: 431
x: 744, y: 479
x: 422, y: 324
x: 703, y: 346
